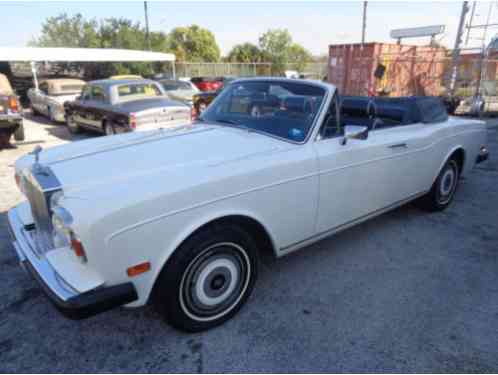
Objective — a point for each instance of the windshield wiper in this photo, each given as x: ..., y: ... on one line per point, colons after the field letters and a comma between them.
x: 223, y: 121
x: 235, y: 125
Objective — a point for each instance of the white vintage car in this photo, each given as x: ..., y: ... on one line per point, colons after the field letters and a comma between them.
x: 49, y: 98
x: 181, y: 216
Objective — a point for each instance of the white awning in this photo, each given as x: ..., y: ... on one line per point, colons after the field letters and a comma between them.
x: 12, y: 54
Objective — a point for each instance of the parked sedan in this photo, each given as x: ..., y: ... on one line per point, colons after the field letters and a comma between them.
x: 120, y: 106
x: 11, y: 121
x: 51, y: 95
x: 181, y: 218
x: 179, y: 90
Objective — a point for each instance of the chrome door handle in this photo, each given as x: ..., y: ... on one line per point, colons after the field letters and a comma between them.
x: 398, y: 145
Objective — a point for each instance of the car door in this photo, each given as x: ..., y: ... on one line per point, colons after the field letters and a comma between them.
x: 360, y: 177
x: 96, y: 108
x: 41, y: 98
x: 81, y: 107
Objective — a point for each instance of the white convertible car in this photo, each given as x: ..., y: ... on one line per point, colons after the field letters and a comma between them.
x: 181, y: 216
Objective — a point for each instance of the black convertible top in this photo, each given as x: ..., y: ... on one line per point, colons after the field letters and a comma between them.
x: 363, y: 110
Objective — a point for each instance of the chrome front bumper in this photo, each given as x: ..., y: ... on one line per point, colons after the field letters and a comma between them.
x: 24, y: 246
x: 71, y: 303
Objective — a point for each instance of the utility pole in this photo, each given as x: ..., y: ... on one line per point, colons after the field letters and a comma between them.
x: 456, y: 49
x: 147, y: 35
x: 364, y: 25
x: 470, y: 23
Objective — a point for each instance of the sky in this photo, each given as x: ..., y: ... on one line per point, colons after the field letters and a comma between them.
x: 315, y: 25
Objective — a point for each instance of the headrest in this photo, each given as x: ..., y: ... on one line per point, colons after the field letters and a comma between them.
x: 299, y: 104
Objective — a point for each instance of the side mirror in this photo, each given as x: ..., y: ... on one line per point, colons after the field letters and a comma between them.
x: 354, y: 132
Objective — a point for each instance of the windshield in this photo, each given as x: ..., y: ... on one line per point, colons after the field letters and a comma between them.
x: 175, y: 85
x: 138, y: 91
x: 282, y: 109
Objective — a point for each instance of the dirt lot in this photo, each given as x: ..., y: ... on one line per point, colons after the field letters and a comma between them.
x: 405, y: 292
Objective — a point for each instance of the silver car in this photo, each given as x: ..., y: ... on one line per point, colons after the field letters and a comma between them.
x: 182, y: 91
x: 51, y: 95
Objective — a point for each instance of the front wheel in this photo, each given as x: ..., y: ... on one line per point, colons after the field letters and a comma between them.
x: 208, y: 279
x: 443, y: 189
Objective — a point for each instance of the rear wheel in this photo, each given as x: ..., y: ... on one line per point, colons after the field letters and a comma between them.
x: 19, y: 133
x: 109, y: 129
x: 443, y: 189
x: 208, y: 279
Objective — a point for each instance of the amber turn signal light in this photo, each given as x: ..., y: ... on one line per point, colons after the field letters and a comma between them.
x: 138, y: 269
x: 13, y: 105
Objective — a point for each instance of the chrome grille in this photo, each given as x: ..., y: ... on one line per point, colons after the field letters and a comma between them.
x: 39, y: 200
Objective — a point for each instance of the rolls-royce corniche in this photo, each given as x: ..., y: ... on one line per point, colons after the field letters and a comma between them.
x: 120, y: 106
x: 180, y: 217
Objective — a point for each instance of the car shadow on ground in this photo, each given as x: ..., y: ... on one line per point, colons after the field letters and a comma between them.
x: 56, y: 129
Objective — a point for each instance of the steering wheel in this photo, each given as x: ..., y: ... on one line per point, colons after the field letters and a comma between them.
x: 255, y: 111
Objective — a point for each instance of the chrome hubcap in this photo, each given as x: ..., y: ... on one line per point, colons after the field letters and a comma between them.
x: 214, y: 281
x: 448, y: 183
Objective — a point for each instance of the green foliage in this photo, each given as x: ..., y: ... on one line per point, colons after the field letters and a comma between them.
x: 278, y: 48
x: 298, y: 57
x: 245, y: 53
x: 188, y: 43
x: 191, y: 43
x: 194, y: 44
x: 65, y: 31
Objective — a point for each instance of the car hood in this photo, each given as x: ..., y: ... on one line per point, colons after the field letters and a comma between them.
x: 115, y: 161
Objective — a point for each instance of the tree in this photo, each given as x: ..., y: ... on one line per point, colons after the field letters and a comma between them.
x: 275, y: 44
x: 278, y: 48
x: 193, y: 43
x: 65, y: 31
x: 298, y: 56
x: 245, y: 53
x: 75, y: 31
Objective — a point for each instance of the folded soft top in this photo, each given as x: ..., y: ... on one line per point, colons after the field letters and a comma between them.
x: 395, y: 111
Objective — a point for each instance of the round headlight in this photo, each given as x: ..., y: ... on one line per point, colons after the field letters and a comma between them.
x: 60, y: 227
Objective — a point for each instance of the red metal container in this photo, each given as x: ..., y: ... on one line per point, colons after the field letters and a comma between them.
x: 407, y: 70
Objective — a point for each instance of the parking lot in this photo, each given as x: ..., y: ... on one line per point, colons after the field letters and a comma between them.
x: 406, y: 292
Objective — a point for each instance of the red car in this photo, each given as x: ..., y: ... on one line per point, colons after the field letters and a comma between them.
x: 207, y: 83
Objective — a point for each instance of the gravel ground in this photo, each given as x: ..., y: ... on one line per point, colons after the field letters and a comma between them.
x: 405, y: 292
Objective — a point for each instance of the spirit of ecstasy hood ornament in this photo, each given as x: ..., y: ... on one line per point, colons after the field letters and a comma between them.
x: 37, y: 167
x: 36, y: 152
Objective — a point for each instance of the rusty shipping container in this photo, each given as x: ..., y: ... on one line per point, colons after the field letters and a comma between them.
x: 407, y: 70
